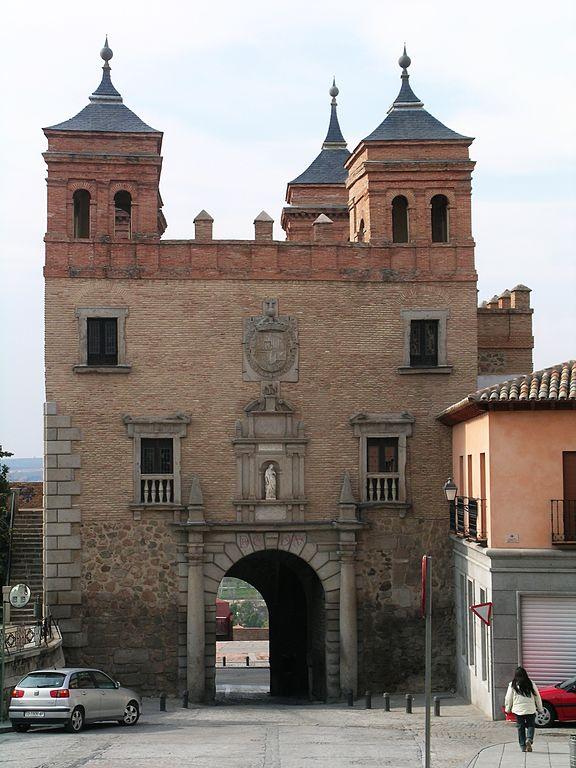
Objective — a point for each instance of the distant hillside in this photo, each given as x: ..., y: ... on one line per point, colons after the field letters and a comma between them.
x: 24, y: 470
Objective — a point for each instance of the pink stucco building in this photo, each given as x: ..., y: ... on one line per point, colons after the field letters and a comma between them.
x: 514, y: 531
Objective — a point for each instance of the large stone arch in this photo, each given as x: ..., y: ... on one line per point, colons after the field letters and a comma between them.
x: 224, y: 552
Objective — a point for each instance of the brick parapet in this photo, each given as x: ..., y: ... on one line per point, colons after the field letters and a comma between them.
x: 257, y: 260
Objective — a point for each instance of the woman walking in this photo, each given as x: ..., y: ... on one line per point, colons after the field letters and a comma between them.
x: 523, y: 699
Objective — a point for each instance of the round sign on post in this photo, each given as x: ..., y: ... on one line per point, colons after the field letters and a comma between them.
x: 20, y: 595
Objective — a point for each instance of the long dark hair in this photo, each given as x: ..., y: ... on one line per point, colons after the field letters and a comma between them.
x: 522, y: 683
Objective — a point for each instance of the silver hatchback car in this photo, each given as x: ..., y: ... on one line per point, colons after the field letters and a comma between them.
x: 71, y: 697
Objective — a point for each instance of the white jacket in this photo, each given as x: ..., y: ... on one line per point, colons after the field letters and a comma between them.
x: 522, y: 705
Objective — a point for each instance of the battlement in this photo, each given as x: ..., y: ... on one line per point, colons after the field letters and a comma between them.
x: 258, y: 260
x: 505, y: 340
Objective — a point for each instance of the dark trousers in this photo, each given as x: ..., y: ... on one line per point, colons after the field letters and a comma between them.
x: 525, y: 725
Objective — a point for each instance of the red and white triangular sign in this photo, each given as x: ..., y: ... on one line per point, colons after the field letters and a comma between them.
x: 483, y: 611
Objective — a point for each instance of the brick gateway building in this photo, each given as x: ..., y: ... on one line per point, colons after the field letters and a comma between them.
x: 258, y: 409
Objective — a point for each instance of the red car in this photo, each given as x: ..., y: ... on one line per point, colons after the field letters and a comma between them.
x: 559, y: 703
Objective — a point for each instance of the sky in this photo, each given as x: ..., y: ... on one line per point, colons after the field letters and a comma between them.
x: 240, y: 90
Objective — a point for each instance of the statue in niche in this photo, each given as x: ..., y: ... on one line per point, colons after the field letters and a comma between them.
x: 270, y: 482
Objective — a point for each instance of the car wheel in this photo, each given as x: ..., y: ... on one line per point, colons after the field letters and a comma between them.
x: 131, y: 714
x: 546, y: 718
x: 76, y: 722
x: 20, y: 727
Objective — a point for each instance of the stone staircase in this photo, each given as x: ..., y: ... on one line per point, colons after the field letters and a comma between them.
x: 26, y: 560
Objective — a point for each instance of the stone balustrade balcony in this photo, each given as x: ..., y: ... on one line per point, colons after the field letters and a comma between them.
x: 157, y: 489
x: 382, y: 486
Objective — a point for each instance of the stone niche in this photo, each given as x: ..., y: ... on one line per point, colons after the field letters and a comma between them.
x: 270, y: 434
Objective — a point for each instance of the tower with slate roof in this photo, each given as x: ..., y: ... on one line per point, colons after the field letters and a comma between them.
x: 321, y: 188
x: 103, y: 173
x: 409, y: 181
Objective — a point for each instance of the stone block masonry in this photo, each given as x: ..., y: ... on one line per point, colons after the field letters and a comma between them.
x: 62, y: 518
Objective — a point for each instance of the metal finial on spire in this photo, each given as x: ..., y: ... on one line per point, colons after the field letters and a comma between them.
x: 106, y: 52
x: 334, y: 91
x: 404, y: 61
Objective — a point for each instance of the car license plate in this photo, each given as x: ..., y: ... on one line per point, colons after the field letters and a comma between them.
x: 33, y: 714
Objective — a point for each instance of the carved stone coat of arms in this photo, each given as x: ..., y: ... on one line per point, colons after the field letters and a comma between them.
x: 270, y: 345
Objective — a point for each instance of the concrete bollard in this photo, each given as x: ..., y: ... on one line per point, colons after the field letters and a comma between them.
x: 247, y: 661
x: 572, y: 743
x: 350, y: 696
x: 185, y: 697
x: 162, y: 702
x: 436, y: 706
x: 223, y: 661
x: 386, y: 698
x: 409, y: 699
x: 368, y: 700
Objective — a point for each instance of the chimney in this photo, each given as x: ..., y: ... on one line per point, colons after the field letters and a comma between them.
x: 263, y: 226
x: 203, y: 226
x: 323, y: 227
x: 504, y: 300
x: 520, y: 297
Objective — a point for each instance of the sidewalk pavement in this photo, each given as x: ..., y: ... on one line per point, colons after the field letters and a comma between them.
x: 553, y: 753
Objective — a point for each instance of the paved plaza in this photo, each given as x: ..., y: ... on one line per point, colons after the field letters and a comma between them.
x: 252, y: 732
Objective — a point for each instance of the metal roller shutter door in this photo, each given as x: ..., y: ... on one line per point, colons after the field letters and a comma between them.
x: 548, y: 640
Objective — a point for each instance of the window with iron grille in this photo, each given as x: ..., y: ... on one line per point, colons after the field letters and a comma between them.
x: 102, y: 340
x: 423, y: 343
x: 157, y: 456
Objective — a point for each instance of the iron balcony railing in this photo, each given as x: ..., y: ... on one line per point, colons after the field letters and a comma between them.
x: 24, y: 637
x: 468, y: 518
x: 563, y: 518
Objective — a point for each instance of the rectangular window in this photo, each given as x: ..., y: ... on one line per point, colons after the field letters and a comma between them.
x: 102, y: 340
x: 483, y: 642
x: 423, y: 343
x: 156, y: 456
x: 463, y: 618
x: 471, y: 635
x: 157, y: 470
x: 461, y: 476
x: 470, y: 478
x: 382, y: 475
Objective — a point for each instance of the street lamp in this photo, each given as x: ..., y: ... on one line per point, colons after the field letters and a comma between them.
x: 450, y: 489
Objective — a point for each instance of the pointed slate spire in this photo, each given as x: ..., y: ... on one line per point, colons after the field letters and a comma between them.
x: 106, y: 110
x: 328, y: 167
x: 334, y: 138
x: 407, y: 120
x: 406, y: 97
x: 106, y: 91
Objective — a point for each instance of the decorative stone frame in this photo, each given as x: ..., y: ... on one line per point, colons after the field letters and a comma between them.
x: 442, y: 316
x: 83, y: 313
x: 174, y: 427
x: 398, y: 425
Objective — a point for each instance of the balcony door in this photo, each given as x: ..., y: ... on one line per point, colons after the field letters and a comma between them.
x: 569, y: 471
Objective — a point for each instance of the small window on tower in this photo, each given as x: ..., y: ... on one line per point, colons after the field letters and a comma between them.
x: 123, y: 214
x: 400, y: 219
x: 423, y: 343
x: 81, y: 200
x: 102, y: 340
x: 361, y: 232
x: 439, y: 208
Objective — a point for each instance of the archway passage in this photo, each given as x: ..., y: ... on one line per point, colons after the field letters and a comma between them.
x: 295, y: 599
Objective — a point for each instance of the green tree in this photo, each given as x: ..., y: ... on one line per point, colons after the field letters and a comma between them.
x: 5, y: 501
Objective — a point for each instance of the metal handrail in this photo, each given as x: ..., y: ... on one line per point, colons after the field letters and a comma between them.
x: 464, y: 514
x: 563, y: 521
x: 9, y: 528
